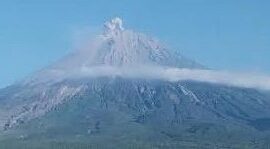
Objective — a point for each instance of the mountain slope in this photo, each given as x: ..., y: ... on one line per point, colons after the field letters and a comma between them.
x: 152, y: 110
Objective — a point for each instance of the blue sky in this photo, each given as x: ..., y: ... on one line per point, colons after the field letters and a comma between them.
x: 225, y: 35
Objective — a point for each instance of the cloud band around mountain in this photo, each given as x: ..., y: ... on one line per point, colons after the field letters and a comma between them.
x: 178, y: 74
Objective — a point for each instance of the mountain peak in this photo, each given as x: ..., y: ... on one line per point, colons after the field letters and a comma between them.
x: 117, y: 46
x: 115, y: 25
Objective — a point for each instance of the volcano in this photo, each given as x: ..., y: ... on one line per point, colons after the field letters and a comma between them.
x: 103, y: 96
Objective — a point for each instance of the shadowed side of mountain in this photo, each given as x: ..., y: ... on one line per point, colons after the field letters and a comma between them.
x: 147, y: 111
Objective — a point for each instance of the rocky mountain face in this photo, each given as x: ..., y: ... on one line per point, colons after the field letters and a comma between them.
x: 113, y: 109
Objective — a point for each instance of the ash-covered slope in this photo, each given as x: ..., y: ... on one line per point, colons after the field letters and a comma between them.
x: 117, y: 46
x: 63, y: 102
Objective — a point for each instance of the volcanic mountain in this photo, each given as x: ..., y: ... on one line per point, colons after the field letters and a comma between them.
x: 104, y: 95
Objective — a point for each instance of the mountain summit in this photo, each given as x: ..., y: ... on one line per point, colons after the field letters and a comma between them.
x: 118, y: 47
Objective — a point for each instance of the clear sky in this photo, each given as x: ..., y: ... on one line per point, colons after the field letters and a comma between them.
x: 227, y: 35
